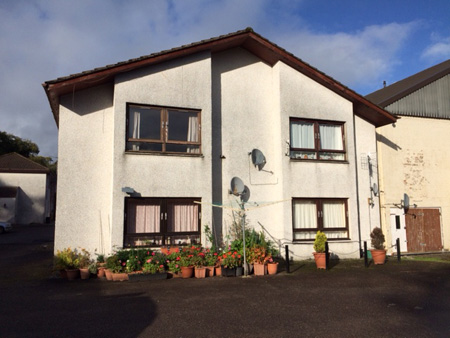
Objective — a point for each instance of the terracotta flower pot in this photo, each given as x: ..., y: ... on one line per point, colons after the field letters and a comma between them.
x: 108, y: 274
x: 321, y: 261
x: 378, y: 256
x: 200, y: 272
x: 260, y: 269
x: 119, y: 277
x: 210, y: 271
x: 84, y: 273
x: 272, y: 268
x: 187, y: 271
x: 72, y: 274
x: 100, y: 272
x: 218, y: 270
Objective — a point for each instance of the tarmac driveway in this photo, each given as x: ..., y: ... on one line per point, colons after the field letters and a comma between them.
x: 407, y: 299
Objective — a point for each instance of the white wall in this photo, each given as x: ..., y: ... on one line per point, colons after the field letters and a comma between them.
x: 31, y: 202
x: 184, y: 83
x: 83, y: 214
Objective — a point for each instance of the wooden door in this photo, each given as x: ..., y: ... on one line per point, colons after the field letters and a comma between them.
x: 423, y: 230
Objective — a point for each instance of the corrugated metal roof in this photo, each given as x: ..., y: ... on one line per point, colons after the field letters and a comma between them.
x: 16, y: 163
x: 247, y: 39
x: 385, y: 96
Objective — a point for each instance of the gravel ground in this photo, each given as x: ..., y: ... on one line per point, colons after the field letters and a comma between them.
x: 407, y: 299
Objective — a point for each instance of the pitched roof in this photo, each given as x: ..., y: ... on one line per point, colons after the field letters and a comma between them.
x: 247, y: 39
x: 385, y: 96
x: 16, y: 163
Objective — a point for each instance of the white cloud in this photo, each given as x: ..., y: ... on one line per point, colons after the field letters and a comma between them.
x: 438, y: 51
x: 42, y: 40
x: 352, y: 58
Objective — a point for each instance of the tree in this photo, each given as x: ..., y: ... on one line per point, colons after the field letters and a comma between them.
x: 10, y: 143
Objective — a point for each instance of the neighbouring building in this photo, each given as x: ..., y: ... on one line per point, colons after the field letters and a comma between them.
x: 25, y: 190
x: 413, y: 162
x: 148, y: 148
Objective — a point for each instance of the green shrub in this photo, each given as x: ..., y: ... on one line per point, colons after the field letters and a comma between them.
x: 319, y: 242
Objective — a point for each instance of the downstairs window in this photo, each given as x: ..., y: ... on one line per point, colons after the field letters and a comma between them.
x: 161, y: 221
x: 327, y: 215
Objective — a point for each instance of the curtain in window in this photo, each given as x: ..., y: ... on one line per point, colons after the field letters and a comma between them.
x: 333, y: 215
x: 182, y: 217
x: 330, y: 137
x: 136, y: 127
x: 305, y: 214
x: 143, y: 218
x: 302, y: 135
x: 193, y: 134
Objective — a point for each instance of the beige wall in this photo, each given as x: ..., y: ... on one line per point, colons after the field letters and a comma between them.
x: 413, y: 161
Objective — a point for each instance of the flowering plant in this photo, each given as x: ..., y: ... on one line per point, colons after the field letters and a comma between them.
x: 154, y: 264
x: 210, y: 257
x: 115, y: 264
x: 173, y: 262
x: 231, y: 259
x: 257, y: 254
x: 84, y: 259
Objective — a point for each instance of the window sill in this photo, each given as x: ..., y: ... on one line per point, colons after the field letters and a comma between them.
x: 318, y: 161
x: 129, y: 152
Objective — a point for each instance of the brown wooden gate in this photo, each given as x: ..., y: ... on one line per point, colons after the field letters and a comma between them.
x: 423, y: 230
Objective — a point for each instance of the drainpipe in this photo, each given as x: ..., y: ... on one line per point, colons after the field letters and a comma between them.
x: 357, y: 187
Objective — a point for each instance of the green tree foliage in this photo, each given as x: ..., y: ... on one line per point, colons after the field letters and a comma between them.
x: 10, y: 143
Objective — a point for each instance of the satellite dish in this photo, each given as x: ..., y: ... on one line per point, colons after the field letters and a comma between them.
x: 237, y: 186
x: 245, y: 196
x: 258, y: 159
x: 375, y: 189
x: 405, y: 202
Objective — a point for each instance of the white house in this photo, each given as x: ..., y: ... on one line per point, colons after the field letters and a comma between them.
x: 148, y: 146
x: 24, y: 190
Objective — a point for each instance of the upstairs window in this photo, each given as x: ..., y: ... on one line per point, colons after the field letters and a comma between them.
x: 317, y: 140
x: 163, y: 130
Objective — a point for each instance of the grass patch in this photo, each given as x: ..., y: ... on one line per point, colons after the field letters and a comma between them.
x: 437, y: 259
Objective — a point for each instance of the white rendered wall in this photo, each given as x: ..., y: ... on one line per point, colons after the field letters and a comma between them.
x: 83, y: 213
x: 184, y: 83
x: 31, y: 203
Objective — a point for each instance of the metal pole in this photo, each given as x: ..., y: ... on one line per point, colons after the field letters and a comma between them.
x: 366, y: 261
x: 243, y: 238
x: 288, y: 270
x: 327, y: 258
x: 398, y: 249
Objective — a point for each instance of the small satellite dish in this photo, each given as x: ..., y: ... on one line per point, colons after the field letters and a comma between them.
x: 405, y: 202
x: 237, y: 186
x: 245, y: 196
x: 375, y: 189
x: 258, y: 159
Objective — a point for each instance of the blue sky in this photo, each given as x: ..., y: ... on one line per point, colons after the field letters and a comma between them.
x: 359, y: 43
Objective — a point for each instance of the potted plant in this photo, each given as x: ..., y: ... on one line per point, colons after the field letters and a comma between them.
x: 84, y: 259
x: 210, y: 261
x: 319, y: 250
x: 173, y: 264
x: 377, y: 240
x: 68, y: 261
x: 186, y: 257
x: 100, y: 265
x: 272, y: 266
x: 198, y: 261
x: 258, y: 257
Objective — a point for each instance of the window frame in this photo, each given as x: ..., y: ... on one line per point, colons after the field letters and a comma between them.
x: 163, y: 235
x: 319, y: 219
x: 317, y: 149
x: 164, y: 131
